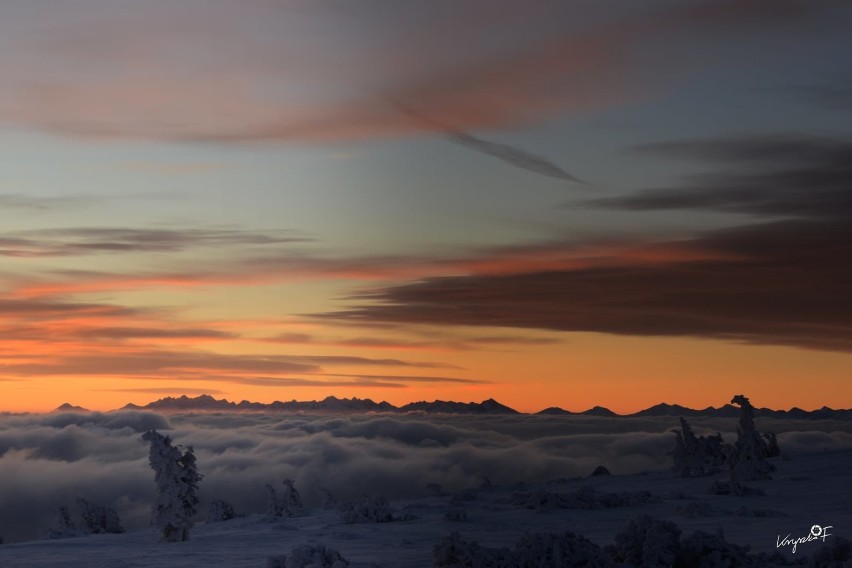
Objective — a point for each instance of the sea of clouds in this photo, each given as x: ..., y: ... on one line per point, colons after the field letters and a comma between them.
x: 48, y: 460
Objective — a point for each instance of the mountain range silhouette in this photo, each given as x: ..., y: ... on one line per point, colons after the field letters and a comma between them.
x: 332, y: 404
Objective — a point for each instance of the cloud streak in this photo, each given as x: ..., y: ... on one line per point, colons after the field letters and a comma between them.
x: 80, y: 241
x: 782, y: 281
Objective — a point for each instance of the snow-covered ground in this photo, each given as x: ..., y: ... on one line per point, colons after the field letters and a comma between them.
x: 807, y: 490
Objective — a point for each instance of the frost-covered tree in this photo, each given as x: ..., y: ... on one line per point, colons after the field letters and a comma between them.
x: 287, y: 504
x: 290, y: 499
x: 696, y: 456
x: 368, y: 510
x: 566, y: 549
x: 647, y: 541
x: 748, y: 462
x: 62, y: 527
x: 177, y: 479
x: 220, y: 510
x: 99, y: 519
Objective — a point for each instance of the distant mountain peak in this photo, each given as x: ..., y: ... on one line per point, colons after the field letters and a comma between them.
x: 554, y: 411
x: 599, y: 411
x: 68, y: 407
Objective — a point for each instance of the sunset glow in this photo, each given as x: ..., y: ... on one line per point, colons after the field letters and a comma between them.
x: 291, y: 200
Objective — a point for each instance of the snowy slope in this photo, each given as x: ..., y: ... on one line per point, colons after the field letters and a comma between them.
x: 807, y: 490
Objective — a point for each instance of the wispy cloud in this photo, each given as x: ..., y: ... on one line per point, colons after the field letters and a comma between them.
x: 78, y: 241
x: 44, y: 203
x: 450, y: 343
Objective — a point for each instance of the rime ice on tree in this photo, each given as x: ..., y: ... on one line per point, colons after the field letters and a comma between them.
x: 220, y: 510
x: 288, y: 504
x: 99, y: 519
x: 696, y: 456
x: 177, y: 487
x: 748, y: 460
x: 63, y: 527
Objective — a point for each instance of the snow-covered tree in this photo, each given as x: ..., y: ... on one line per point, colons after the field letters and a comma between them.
x: 220, y: 510
x: 695, y: 456
x: 287, y: 504
x: 647, y: 541
x: 748, y: 462
x: 62, y: 527
x: 368, y: 510
x: 99, y: 519
x: 177, y: 479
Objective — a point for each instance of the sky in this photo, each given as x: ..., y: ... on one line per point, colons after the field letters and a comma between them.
x: 569, y: 204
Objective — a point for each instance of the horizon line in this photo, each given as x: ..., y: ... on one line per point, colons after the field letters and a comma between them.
x: 588, y: 411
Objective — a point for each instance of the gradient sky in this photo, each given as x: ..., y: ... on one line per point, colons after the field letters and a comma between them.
x: 553, y: 204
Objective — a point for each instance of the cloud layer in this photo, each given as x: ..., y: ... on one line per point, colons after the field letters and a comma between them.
x: 215, y: 72
x: 780, y: 279
x: 49, y: 460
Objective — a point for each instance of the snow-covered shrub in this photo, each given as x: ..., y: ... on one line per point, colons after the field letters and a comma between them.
x: 454, y: 551
x: 368, y: 510
x: 584, y: 498
x: 531, y: 550
x: 287, y: 504
x: 62, y: 527
x: 537, y: 500
x: 695, y: 509
x: 696, y: 456
x: 455, y: 515
x: 705, y: 550
x: 177, y: 479
x: 646, y: 541
x: 567, y: 549
x: 307, y: 556
x: 719, y: 487
x: 220, y: 510
x: 837, y: 554
x: 744, y: 511
x: 99, y: 519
